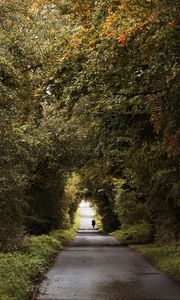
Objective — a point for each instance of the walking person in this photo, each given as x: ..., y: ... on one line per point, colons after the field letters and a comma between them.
x: 93, y: 223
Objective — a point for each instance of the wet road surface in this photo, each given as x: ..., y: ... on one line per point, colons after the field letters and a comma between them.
x: 97, y: 267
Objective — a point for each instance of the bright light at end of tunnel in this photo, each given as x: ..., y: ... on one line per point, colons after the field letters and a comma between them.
x: 84, y: 204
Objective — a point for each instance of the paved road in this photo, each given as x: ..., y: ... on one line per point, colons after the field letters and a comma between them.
x: 97, y: 267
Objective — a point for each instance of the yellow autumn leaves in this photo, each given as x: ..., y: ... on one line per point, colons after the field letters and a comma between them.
x: 36, y: 5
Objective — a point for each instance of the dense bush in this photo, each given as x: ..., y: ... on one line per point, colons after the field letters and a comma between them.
x: 4, y: 297
x: 15, y: 272
x: 18, y: 270
x: 134, y: 234
x: 43, y: 245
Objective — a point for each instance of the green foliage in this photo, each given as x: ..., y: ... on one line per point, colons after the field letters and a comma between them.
x: 89, y: 89
x: 19, y: 270
x: 34, y: 152
x: 134, y: 234
x: 14, y: 278
x: 125, y: 89
x: 166, y: 257
x: 64, y: 236
x: 13, y: 181
x: 98, y: 219
x: 43, y: 245
x: 72, y: 193
x: 129, y: 208
x: 99, y: 225
x: 4, y: 297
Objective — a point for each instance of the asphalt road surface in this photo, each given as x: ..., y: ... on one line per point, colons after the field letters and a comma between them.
x: 97, y: 267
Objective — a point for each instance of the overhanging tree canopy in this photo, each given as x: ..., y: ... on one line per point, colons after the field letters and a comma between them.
x: 89, y: 87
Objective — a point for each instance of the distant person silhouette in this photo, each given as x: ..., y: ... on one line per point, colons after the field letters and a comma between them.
x: 93, y: 223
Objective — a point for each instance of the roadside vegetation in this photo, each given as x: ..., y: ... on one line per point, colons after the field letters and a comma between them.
x: 134, y: 234
x: 20, y: 271
x: 166, y: 257
x: 89, y: 109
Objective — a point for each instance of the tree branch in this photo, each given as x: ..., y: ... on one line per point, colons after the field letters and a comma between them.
x: 32, y: 68
x: 146, y: 93
x: 24, y: 71
x: 113, y: 114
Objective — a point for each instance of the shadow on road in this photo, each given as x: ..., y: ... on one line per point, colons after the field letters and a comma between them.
x: 92, y: 238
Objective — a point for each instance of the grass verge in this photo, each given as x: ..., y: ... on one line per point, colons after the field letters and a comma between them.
x: 165, y: 257
x: 19, y: 270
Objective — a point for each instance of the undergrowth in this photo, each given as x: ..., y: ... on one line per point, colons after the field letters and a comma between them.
x: 165, y: 257
x: 19, y: 270
x: 134, y: 234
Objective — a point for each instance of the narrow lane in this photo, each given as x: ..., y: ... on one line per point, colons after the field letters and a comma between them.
x: 97, y: 267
